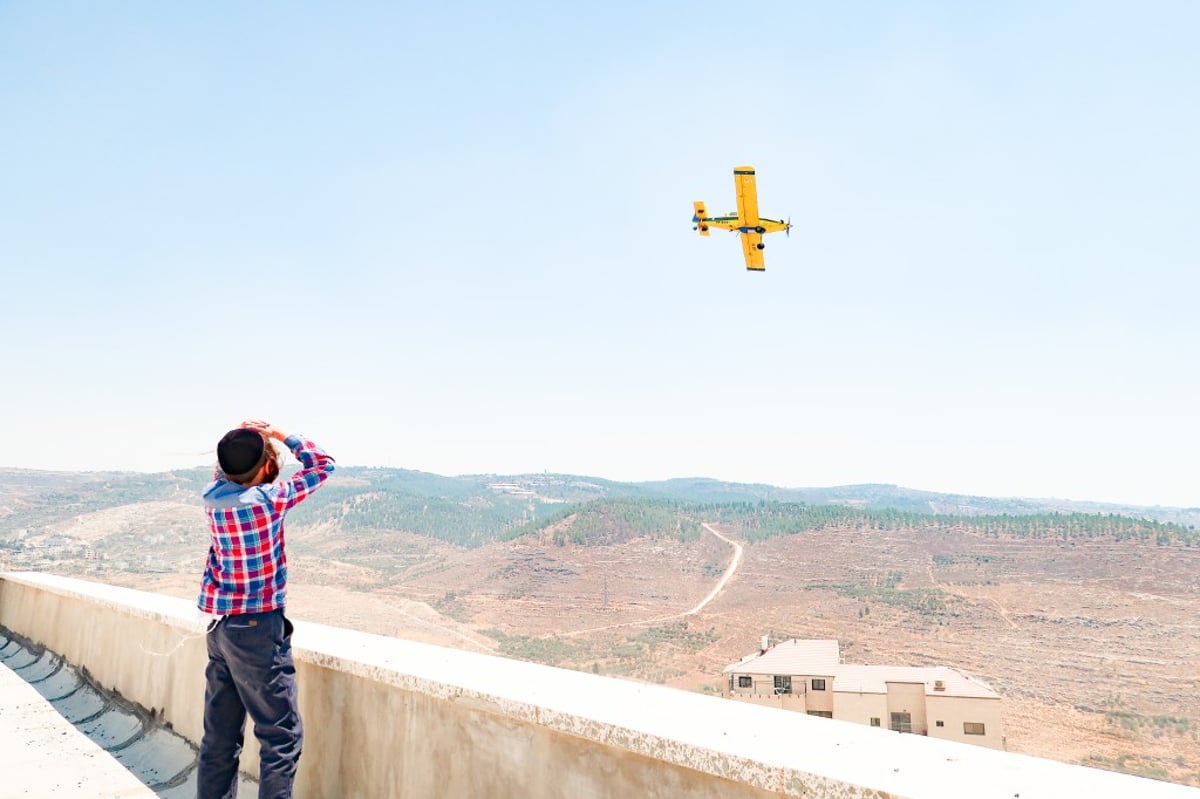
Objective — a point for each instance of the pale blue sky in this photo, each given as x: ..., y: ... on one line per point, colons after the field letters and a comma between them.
x: 455, y: 237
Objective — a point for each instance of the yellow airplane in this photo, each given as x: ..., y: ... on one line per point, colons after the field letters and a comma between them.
x: 746, y: 221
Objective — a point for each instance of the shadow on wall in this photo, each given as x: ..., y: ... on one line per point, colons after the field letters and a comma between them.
x: 161, y: 759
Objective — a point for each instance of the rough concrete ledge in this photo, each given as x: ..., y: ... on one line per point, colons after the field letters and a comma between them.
x: 391, y: 717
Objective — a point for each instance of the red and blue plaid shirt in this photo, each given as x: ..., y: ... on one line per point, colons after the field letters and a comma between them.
x: 247, y: 564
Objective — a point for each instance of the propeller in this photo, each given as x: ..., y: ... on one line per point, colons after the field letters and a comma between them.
x: 787, y: 231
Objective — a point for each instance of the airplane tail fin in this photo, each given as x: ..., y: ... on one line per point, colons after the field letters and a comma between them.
x: 700, y: 219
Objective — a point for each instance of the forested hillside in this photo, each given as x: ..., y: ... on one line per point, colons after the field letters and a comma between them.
x: 604, y: 521
x: 474, y: 510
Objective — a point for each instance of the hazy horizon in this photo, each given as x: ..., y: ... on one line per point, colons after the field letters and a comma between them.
x: 608, y: 478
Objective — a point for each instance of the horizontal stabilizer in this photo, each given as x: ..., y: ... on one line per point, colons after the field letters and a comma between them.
x: 700, y: 218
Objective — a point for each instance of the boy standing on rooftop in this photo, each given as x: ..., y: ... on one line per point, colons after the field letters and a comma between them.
x: 250, y: 668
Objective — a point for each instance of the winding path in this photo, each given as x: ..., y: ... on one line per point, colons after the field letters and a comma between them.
x: 730, y: 570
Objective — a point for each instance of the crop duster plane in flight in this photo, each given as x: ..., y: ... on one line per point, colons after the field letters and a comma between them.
x: 746, y: 221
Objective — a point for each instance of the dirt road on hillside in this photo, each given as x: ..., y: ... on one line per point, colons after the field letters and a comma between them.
x: 730, y: 570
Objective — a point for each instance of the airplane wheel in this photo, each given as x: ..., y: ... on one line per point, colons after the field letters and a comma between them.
x: 762, y: 246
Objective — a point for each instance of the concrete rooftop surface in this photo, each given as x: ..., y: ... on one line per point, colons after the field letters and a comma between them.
x: 60, y: 736
x: 42, y: 754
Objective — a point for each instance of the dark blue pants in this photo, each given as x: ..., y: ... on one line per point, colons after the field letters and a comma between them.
x: 250, y: 670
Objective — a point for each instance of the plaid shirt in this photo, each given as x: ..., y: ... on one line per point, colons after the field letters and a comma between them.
x: 247, y: 565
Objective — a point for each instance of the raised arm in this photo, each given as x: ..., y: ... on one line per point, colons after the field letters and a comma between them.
x: 316, y: 465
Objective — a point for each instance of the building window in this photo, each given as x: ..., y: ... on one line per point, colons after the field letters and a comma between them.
x: 874, y: 721
x: 743, y: 681
x: 783, y: 685
x: 825, y: 714
x: 973, y: 728
x: 818, y: 684
x: 941, y: 724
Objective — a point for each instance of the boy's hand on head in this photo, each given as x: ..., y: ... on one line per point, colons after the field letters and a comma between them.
x: 266, y: 429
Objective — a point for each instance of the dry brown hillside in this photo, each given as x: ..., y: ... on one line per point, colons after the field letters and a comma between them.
x: 1092, y: 642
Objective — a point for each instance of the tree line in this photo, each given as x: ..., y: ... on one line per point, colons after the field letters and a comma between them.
x: 606, y: 520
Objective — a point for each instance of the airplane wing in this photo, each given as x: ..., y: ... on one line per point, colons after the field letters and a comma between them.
x: 754, y: 255
x: 747, y: 195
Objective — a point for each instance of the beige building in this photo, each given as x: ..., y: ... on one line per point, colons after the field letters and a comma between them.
x: 808, y: 676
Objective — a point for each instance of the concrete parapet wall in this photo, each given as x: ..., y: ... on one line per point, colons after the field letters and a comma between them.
x: 386, y: 717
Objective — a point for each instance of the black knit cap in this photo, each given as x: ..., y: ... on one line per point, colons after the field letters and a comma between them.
x: 241, y: 452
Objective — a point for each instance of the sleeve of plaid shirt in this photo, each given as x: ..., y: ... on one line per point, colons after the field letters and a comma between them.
x: 316, y: 468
